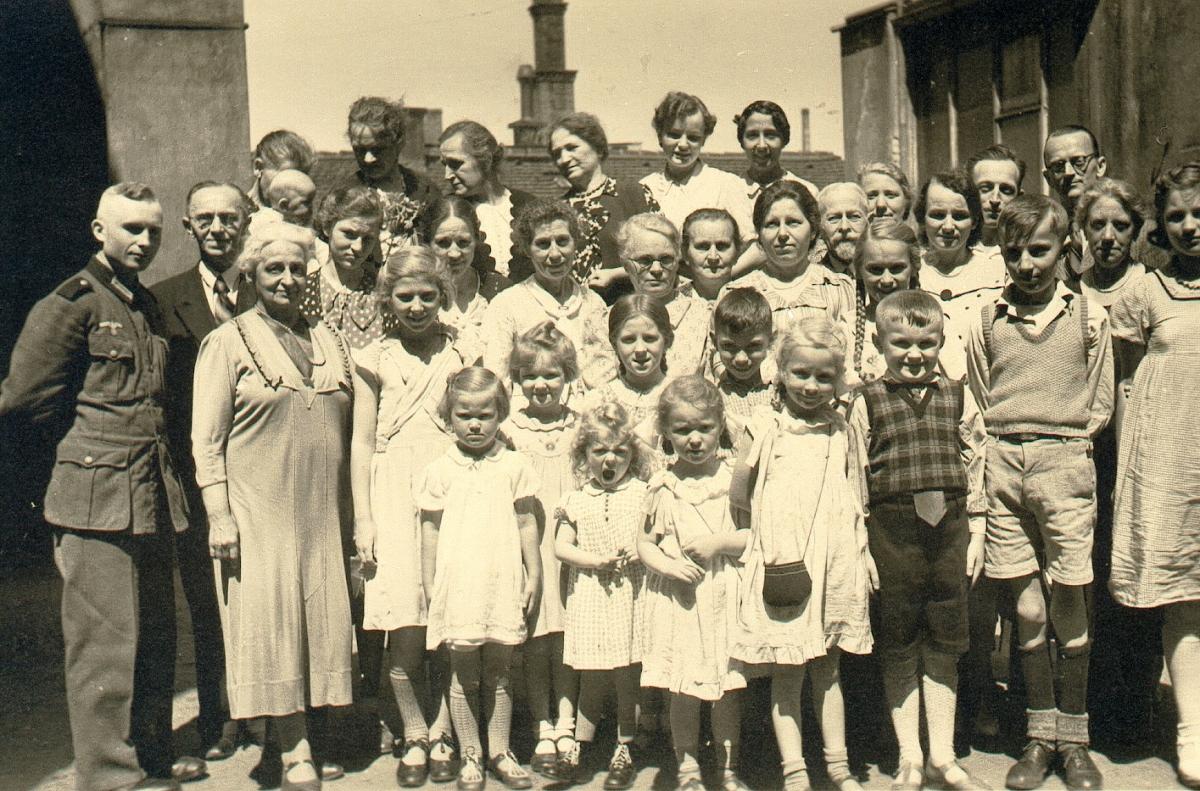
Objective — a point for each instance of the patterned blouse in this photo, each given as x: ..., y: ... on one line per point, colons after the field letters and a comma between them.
x: 601, y: 211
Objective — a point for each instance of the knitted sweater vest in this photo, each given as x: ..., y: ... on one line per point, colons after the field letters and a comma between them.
x: 914, y: 444
x: 1038, y: 383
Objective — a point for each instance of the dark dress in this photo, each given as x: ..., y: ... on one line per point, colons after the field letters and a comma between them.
x: 601, y: 212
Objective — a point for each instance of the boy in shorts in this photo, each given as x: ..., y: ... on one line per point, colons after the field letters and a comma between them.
x: 924, y: 441
x: 1039, y: 363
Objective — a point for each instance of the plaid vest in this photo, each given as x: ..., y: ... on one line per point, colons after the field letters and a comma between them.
x: 914, y: 444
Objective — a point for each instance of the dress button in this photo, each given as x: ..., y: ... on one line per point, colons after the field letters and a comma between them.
x: 88, y: 459
x: 113, y: 353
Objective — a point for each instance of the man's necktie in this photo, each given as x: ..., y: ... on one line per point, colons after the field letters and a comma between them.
x: 930, y: 506
x: 222, y: 305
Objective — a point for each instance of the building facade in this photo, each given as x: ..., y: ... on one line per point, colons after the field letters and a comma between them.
x: 925, y: 83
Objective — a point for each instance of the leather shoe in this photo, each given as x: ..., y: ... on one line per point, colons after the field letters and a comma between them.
x: 221, y: 749
x: 1030, y: 771
x: 1079, y: 770
x: 410, y: 775
x: 543, y: 762
x: 331, y: 771
x: 188, y: 768
x: 443, y: 770
x: 509, y: 771
x: 304, y: 785
x: 621, y: 771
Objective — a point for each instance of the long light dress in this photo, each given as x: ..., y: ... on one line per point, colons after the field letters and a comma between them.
x: 963, y: 293
x: 1156, y: 530
x: 604, y: 619
x: 689, y: 627
x: 281, y: 446
x: 408, y: 435
x: 548, y: 448
x: 819, y: 454
x: 479, y: 577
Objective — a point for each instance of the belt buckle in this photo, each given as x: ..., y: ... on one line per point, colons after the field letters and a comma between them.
x: 1022, y: 437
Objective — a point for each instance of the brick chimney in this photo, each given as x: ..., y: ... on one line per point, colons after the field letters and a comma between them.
x: 547, y: 88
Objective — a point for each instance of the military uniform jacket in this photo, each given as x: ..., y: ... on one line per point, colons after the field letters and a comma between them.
x: 91, y: 358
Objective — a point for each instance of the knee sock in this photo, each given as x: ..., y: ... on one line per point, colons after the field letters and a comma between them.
x: 837, y: 765
x: 1039, y: 679
x: 409, y: 706
x: 904, y: 701
x: 1181, y: 645
x: 1072, y: 679
x: 464, y: 713
x: 938, y: 685
x: 497, y: 707
x: 795, y: 776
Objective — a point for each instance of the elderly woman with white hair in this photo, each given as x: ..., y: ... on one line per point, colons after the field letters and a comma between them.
x: 270, y: 436
x: 651, y: 252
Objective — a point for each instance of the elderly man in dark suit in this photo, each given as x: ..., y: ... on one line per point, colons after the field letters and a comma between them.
x: 88, y: 372
x: 193, y: 303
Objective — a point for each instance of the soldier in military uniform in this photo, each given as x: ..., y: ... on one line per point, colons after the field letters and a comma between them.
x: 88, y: 369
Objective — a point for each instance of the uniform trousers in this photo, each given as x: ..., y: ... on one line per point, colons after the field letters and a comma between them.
x: 118, y: 622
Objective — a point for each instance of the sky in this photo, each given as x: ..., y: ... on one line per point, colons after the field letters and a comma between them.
x: 307, y: 60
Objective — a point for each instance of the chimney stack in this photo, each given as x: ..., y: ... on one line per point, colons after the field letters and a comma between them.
x: 805, y: 131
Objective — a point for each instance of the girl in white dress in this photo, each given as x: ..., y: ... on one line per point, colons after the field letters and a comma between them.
x: 481, y: 567
x: 399, y: 382
x: 807, y: 573
x: 691, y: 545
x: 639, y: 329
x: 543, y: 366
x: 597, y: 533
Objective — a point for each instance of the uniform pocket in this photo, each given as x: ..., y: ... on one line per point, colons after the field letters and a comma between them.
x: 112, y: 364
x: 90, y: 486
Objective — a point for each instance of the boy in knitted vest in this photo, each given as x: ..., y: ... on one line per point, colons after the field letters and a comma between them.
x: 1039, y: 363
x: 924, y: 439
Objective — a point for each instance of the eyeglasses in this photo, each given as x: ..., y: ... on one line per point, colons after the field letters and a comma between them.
x: 203, y: 222
x: 1078, y: 164
x: 644, y: 262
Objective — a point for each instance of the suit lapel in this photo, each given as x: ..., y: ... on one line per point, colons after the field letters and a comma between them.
x: 192, y: 307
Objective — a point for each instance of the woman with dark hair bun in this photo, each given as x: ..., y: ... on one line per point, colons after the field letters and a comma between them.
x: 376, y: 130
x: 471, y: 158
x: 683, y: 123
x: 579, y: 148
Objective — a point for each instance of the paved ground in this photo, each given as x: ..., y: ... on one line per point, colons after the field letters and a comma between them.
x: 35, y: 750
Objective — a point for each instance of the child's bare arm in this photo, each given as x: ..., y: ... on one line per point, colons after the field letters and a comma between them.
x: 566, y: 550
x: 362, y: 449
x: 531, y: 557
x: 431, y: 523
